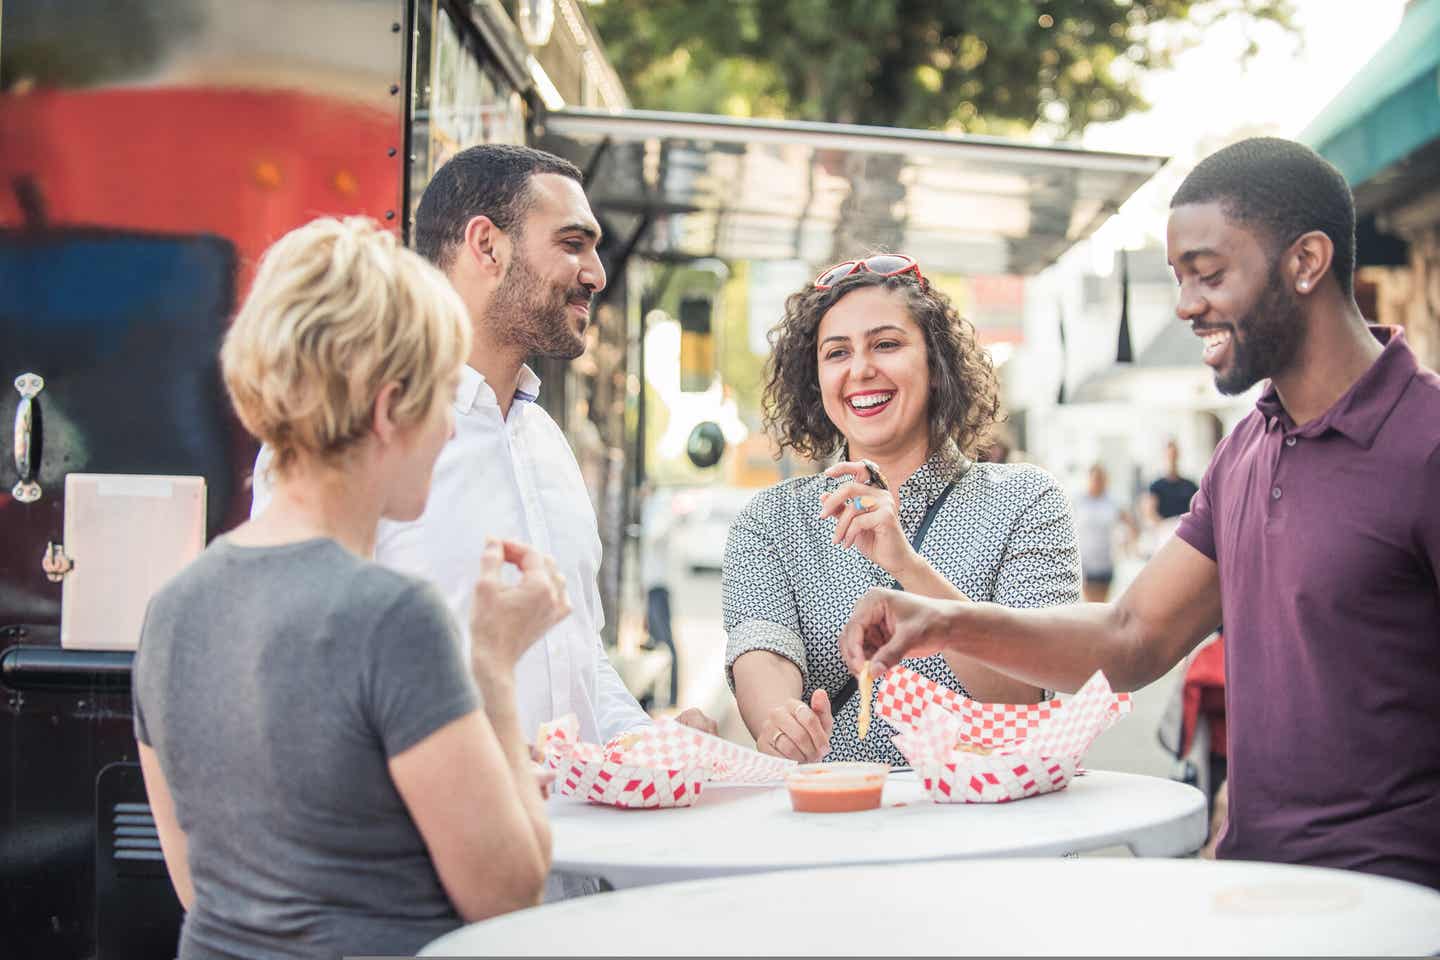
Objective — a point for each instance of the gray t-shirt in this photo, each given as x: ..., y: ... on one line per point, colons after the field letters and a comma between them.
x: 273, y: 684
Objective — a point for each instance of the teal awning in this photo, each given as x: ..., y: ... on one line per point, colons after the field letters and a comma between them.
x: 1388, y: 113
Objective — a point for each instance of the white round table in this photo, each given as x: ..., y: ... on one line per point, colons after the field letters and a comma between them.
x: 1094, y: 906
x: 738, y: 830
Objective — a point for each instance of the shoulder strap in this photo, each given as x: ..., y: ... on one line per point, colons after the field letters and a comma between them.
x: 918, y: 540
x: 847, y: 690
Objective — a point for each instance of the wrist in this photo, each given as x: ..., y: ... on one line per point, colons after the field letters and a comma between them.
x: 911, y: 570
x: 947, y: 630
x: 497, y: 685
x: 966, y: 625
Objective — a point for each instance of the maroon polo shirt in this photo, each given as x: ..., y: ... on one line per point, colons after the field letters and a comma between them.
x: 1327, y: 538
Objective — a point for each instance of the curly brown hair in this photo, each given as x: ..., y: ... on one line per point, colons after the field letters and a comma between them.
x: 964, y: 392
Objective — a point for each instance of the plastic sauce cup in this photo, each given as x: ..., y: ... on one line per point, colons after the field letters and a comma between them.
x: 843, y: 786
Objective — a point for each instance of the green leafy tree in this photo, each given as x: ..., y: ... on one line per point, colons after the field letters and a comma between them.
x: 983, y: 66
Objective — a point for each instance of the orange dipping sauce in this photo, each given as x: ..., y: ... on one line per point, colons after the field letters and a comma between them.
x: 841, y: 787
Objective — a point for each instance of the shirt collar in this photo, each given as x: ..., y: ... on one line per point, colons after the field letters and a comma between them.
x: 474, y: 392
x: 527, y: 387
x: 1362, y: 410
x: 925, y: 484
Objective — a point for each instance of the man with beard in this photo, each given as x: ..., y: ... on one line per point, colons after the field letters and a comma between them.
x: 511, y: 228
x: 1315, y: 532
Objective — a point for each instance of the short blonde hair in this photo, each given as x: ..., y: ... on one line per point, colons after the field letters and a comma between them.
x: 338, y: 309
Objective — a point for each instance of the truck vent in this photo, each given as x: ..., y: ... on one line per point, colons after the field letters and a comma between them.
x: 134, y: 832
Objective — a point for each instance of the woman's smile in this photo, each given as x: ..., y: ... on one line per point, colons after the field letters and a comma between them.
x: 870, y: 403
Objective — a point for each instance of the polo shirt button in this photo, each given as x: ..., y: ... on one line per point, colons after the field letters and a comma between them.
x: 1275, y: 493
x: 1289, y: 441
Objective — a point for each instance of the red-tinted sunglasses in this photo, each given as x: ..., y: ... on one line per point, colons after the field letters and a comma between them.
x: 885, y: 264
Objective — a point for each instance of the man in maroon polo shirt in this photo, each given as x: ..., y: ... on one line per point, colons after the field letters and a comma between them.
x: 1315, y: 534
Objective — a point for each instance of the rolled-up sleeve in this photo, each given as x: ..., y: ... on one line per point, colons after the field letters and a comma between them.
x: 1040, y: 566
x: 1197, y: 526
x: 759, y: 601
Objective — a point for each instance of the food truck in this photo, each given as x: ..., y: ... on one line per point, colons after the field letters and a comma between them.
x: 150, y: 152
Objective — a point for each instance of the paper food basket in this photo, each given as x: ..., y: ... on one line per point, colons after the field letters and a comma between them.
x: 971, y: 752
x: 665, y: 765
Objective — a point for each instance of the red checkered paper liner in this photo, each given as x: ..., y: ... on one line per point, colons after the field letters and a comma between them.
x: 1031, y: 748
x: 666, y: 741
x: 665, y: 765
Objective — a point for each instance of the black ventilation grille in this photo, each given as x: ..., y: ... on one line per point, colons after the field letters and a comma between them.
x: 134, y: 833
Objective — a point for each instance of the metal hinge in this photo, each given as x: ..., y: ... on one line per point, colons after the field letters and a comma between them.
x: 26, y: 489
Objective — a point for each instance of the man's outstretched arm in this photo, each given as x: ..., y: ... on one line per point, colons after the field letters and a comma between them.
x: 1173, y: 604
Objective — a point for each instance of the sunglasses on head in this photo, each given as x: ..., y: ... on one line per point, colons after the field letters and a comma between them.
x: 884, y: 264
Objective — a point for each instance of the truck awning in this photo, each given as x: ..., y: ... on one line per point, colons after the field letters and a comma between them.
x: 1383, y: 130
x: 688, y: 186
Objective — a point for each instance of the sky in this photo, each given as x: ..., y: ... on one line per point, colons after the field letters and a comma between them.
x: 1209, y: 98
x: 1288, y: 82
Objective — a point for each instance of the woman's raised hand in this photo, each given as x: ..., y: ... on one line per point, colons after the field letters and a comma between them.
x: 509, y: 617
x: 867, y: 518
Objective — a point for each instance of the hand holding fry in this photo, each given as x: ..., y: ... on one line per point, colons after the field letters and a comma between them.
x: 888, y: 625
x: 508, y: 618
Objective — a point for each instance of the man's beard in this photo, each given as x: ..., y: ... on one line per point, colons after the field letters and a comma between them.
x: 530, y: 313
x: 1266, y: 340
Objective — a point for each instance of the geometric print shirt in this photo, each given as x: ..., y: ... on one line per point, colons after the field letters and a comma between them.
x: 1004, y: 534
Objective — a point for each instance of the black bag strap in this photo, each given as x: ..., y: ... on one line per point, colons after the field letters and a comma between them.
x: 847, y: 690
x: 918, y: 540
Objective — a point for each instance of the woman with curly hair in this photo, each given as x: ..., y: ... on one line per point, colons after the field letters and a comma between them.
x: 873, y: 365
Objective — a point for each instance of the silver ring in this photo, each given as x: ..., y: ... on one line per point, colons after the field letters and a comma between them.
x: 858, y: 503
x: 775, y: 740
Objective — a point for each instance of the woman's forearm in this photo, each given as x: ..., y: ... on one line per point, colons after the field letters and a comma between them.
x: 501, y: 710
x: 763, y: 680
x: 983, y: 683
x: 924, y: 580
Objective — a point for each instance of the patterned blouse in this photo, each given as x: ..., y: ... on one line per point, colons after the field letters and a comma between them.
x: 1004, y: 534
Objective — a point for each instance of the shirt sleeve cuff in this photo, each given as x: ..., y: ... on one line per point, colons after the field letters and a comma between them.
x: 1193, y: 532
x: 764, y: 635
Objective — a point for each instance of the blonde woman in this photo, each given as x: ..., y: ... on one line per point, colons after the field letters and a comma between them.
x: 323, y: 777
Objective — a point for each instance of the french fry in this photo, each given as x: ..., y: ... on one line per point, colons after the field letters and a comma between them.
x: 862, y: 721
x: 625, y: 741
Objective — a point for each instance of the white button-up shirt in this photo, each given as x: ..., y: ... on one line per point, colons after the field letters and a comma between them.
x: 514, y: 478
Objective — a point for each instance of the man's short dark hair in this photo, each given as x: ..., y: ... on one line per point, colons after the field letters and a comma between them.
x: 1282, y: 188
x: 491, y: 180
